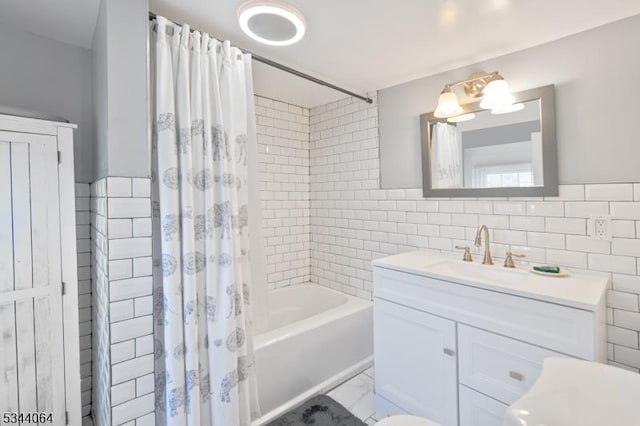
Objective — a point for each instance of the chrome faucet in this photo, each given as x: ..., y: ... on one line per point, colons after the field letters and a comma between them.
x: 487, y: 252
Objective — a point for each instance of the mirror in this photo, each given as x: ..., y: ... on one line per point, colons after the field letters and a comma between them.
x: 492, y: 155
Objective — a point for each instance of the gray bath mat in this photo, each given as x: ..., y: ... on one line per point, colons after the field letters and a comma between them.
x: 318, y: 411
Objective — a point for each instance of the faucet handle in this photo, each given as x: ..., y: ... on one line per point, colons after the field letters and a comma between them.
x: 467, y: 253
x: 508, y: 261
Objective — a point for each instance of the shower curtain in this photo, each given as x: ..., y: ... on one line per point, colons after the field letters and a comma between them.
x: 203, y: 132
x: 446, y: 157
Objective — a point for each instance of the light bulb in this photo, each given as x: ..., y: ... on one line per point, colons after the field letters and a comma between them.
x: 496, y: 95
x: 448, y: 105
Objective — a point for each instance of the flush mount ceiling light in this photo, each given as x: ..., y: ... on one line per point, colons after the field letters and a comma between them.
x: 492, y: 87
x: 272, y: 22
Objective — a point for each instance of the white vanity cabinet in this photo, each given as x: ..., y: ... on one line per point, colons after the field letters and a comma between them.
x: 458, y: 350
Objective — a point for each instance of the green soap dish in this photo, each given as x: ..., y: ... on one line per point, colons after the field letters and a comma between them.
x: 549, y: 271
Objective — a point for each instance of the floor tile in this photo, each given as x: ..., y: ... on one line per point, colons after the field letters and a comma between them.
x: 365, y: 407
x: 356, y: 395
x: 369, y: 372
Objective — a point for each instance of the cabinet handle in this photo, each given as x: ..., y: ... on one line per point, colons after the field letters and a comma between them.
x: 448, y: 351
x: 515, y: 375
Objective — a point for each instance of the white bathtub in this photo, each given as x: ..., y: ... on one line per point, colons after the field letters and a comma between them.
x: 316, y: 338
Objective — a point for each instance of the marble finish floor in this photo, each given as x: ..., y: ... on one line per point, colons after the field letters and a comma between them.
x: 356, y: 395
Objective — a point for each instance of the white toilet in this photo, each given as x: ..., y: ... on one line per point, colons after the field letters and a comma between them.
x: 406, y: 420
x: 572, y: 392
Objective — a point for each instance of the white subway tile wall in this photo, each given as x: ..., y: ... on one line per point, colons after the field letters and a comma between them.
x: 354, y: 222
x: 101, y: 355
x: 283, y: 146
x: 122, y: 257
x: 324, y: 220
x: 83, y: 243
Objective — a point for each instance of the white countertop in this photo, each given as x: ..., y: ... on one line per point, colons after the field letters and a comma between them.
x: 578, y: 290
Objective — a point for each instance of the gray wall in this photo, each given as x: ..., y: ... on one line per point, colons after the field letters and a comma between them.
x: 51, y: 77
x: 592, y: 71
x: 100, y: 93
x: 120, y: 84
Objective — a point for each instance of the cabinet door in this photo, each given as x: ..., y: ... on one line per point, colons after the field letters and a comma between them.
x: 477, y: 409
x: 32, y: 375
x: 415, y: 362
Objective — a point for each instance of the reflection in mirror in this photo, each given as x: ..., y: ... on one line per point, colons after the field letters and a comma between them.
x: 488, y: 151
x: 493, y: 153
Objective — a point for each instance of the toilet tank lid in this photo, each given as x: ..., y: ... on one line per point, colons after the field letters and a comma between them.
x: 573, y: 392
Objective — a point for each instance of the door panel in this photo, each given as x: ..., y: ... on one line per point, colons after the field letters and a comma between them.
x: 415, y: 362
x: 8, y: 368
x: 477, y: 409
x: 31, y: 333
x: 25, y: 331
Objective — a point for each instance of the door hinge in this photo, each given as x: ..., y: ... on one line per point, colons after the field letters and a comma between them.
x: 59, y: 157
x: 66, y: 417
x: 64, y: 288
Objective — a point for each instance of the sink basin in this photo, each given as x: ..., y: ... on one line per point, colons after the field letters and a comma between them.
x: 573, y: 392
x: 478, y: 272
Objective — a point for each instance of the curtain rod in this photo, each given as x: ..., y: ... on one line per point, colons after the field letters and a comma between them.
x: 289, y: 70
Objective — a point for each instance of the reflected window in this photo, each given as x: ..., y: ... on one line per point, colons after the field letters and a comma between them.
x: 503, y: 176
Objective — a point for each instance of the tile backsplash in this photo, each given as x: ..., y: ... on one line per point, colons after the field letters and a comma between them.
x: 353, y: 221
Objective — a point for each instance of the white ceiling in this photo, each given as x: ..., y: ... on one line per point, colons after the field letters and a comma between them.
x: 68, y: 21
x: 363, y: 45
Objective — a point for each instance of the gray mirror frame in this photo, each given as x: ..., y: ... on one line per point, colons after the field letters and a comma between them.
x: 546, y: 94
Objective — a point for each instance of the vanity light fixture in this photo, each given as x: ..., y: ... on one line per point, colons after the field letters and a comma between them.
x: 492, y: 87
x: 272, y: 22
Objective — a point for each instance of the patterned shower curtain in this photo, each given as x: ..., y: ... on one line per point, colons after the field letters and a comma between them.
x: 204, y: 354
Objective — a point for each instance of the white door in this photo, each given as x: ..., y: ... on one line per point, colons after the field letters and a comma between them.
x: 31, y: 340
x: 415, y: 362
